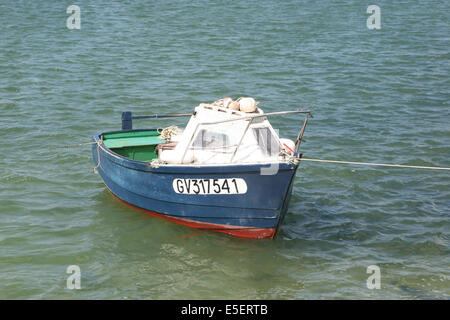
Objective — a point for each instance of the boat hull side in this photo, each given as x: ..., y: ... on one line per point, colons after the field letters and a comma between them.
x: 255, y: 214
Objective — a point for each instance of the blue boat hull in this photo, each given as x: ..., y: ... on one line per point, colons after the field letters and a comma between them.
x: 255, y: 214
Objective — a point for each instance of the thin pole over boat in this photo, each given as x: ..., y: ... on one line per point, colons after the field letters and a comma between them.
x: 257, y: 116
x: 127, y: 118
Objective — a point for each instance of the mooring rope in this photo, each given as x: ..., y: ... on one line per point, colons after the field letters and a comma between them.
x: 73, y: 145
x: 99, y: 142
x: 374, y: 164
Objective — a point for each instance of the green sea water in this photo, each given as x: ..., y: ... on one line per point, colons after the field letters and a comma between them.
x: 376, y: 96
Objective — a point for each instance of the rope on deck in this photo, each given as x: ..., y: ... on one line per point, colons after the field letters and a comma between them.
x: 168, y: 132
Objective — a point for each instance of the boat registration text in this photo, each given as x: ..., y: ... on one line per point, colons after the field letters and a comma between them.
x: 210, y: 186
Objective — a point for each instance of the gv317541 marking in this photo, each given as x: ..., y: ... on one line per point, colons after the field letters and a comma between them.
x: 210, y: 186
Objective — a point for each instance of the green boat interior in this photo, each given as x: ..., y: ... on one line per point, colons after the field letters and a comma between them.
x: 136, y: 145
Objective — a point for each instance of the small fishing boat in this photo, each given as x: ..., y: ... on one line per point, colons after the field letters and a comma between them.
x: 226, y: 171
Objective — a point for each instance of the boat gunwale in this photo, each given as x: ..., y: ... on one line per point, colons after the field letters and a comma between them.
x: 147, y: 167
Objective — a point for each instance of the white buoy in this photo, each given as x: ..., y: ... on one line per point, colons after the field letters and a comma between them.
x: 288, y: 145
x: 234, y: 105
x: 247, y: 105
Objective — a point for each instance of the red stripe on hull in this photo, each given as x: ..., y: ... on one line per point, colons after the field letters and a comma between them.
x: 244, y: 232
